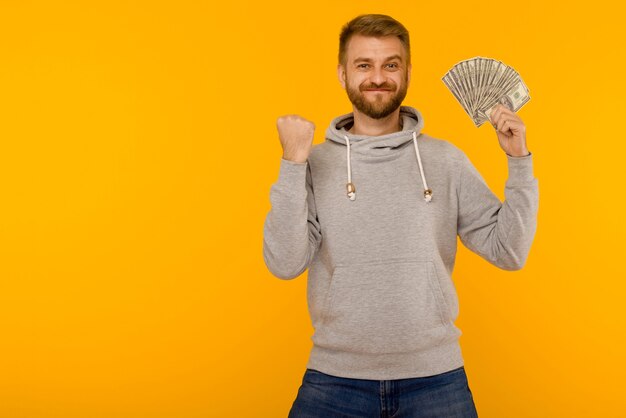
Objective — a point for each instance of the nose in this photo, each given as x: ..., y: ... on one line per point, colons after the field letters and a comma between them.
x: 377, y: 76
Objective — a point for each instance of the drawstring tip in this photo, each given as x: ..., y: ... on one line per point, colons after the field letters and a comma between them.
x: 428, y: 195
x: 351, y: 191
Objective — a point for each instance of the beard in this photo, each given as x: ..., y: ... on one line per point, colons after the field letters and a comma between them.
x: 380, y: 106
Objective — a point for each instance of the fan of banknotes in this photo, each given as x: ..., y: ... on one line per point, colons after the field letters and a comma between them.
x: 479, y: 84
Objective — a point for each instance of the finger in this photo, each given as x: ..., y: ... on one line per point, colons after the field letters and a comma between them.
x: 498, y: 121
x: 504, y: 127
x: 506, y: 115
x: 495, y: 114
x: 511, y: 125
x: 509, y: 113
x: 502, y: 110
x: 501, y: 121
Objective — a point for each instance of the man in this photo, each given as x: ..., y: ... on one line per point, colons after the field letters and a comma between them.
x: 374, y: 213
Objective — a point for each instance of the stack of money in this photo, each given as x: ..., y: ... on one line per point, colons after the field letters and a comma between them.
x: 479, y: 84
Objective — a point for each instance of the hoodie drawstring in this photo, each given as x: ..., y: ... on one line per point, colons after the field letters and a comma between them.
x: 351, y: 188
x: 428, y: 193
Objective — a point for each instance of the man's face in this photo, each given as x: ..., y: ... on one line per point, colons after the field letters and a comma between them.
x: 376, y: 76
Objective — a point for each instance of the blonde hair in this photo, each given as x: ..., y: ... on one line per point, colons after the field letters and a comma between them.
x: 375, y: 25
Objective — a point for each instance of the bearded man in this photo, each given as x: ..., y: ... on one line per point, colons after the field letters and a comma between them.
x: 374, y: 213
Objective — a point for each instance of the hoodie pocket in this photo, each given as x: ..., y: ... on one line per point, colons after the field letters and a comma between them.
x: 390, y: 306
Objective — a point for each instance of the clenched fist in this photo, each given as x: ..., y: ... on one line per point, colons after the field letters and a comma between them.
x: 296, y: 137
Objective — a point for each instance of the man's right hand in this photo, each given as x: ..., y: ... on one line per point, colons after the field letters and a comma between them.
x: 296, y: 137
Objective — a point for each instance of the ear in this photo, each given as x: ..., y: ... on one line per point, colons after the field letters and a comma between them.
x: 341, y: 74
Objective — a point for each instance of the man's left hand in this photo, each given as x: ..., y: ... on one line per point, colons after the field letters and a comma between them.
x: 511, y: 131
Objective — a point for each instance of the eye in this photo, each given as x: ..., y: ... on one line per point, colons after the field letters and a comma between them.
x: 362, y: 65
x: 393, y: 65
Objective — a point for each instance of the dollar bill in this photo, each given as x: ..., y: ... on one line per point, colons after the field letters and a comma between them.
x: 479, y: 84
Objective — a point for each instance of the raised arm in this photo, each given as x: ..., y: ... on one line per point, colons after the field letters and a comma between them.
x: 291, y: 233
x: 500, y: 232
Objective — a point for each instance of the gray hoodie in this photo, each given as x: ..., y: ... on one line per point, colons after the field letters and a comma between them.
x: 381, y: 253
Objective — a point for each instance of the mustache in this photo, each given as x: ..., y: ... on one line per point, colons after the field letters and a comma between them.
x: 385, y: 85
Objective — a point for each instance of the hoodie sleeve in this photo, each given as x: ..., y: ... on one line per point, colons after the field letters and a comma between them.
x: 500, y: 232
x: 291, y: 233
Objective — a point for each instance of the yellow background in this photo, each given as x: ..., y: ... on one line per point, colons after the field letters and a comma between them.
x: 138, y: 146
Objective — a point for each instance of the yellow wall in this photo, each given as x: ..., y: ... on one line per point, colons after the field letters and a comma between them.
x: 138, y: 146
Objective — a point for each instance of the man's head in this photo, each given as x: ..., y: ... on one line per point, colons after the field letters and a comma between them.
x: 374, y: 63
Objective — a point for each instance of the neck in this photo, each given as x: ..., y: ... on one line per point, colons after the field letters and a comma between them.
x: 364, y: 125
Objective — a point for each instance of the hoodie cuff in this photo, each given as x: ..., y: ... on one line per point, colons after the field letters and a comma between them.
x: 292, y: 175
x: 520, y: 169
x: 289, y: 162
x: 292, y: 169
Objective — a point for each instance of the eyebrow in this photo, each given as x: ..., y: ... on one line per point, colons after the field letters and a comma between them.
x: 393, y: 57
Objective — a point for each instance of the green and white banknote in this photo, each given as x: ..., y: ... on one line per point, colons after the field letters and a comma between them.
x: 479, y: 84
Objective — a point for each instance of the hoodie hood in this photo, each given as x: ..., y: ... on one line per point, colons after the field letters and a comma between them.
x: 412, y: 124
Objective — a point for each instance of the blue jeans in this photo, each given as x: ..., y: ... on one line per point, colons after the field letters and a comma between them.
x: 446, y: 395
